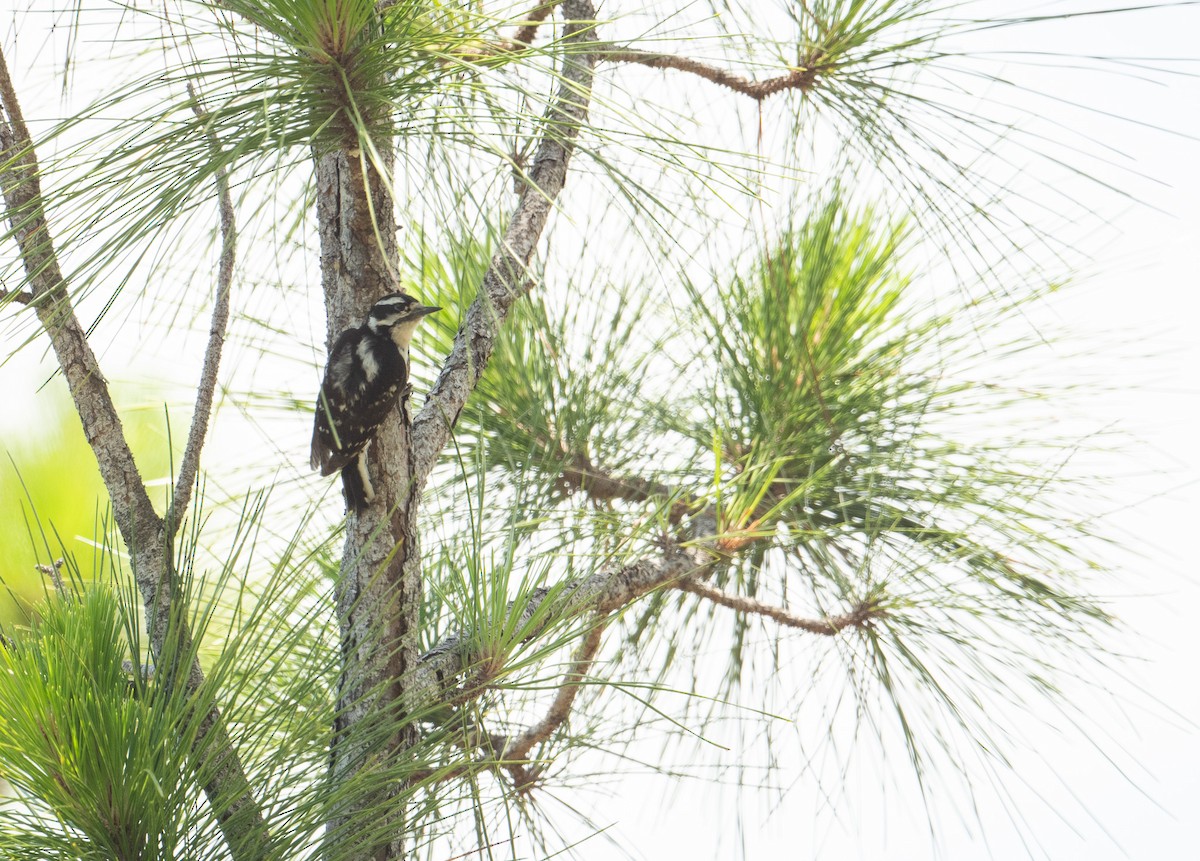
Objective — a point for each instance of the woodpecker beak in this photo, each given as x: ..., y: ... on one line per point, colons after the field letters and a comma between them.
x: 420, y: 311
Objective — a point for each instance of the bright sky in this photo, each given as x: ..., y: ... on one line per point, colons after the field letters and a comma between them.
x: 1142, y: 290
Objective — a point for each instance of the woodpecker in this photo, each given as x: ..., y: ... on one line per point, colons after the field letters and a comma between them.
x: 365, y: 378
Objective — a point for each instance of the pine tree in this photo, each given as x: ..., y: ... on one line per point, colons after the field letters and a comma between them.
x: 702, y: 419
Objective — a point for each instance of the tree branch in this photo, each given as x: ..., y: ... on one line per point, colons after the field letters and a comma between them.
x: 21, y: 297
x: 600, y: 594
x: 142, y: 530
x: 681, y: 566
x: 481, y: 51
x: 517, y: 750
x: 504, y: 281
x: 801, y: 78
x: 524, y: 36
x: 503, y: 751
x: 101, y: 423
x: 580, y: 474
x: 828, y: 627
x: 190, y: 464
x: 54, y: 572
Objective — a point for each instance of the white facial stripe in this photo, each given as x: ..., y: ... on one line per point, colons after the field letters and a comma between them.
x: 392, y: 305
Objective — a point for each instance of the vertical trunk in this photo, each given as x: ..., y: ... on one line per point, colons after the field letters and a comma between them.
x: 379, y: 585
x: 379, y: 588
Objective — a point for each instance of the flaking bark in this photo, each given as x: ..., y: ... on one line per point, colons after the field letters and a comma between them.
x: 379, y: 582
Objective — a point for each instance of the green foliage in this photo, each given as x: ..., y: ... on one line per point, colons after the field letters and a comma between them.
x: 560, y: 392
x: 806, y: 394
x: 52, y: 500
x: 119, y: 755
x: 90, y: 739
x: 271, y: 81
x: 352, y: 67
x: 852, y: 472
x: 804, y: 343
x: 830, y: 417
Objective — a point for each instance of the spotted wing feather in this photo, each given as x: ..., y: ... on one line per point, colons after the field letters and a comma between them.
x: 364, y: 378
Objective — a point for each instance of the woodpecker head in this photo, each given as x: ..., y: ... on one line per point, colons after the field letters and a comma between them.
x: 397, y: 315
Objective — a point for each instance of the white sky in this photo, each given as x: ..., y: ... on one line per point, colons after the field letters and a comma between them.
x: 1141, y: 288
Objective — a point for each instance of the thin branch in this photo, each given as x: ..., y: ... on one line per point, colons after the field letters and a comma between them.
x: 524, y: 36
x: 21, y: 297
x: 580, y: 474
x: 828, y: 627
x: 506, y: 278
x: 482, y: 51
x: 511, y: 754
x: 142, y: 530
x: 602, y: 593
x: 801, y: 78
x: 132, y: 508
x: 54, y: 572
x: 684, y: 566
x: 560, y: 709
x: 190, y: 464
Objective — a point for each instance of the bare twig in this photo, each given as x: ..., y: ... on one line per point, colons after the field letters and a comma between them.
x: 54, y: 572
x: 524, y: 36
x: 142, y: 530
x: 602, y: 486
x: 511, y: 754
x: 829, y: 626
x: 216, y: 334
x: 482, y: 50
x: 800, y: 78
x: 21, y: 297
x: 560, y: 709
x: 507, y: 277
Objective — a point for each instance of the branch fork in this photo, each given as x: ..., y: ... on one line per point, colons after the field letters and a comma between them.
x: 147, y: 535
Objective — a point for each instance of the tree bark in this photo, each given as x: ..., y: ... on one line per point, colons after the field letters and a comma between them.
x: 379, y: 583
x: 379, y: 592
x: 146, y: 535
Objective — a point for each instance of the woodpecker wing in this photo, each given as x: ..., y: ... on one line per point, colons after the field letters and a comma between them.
x: 363, y: 380
x: 327, y: 454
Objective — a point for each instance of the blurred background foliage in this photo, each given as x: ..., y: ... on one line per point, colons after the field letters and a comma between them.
x: 52, y: 500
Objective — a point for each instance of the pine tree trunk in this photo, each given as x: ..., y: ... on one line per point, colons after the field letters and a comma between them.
x: 379, y: 590
x: 379, y: 584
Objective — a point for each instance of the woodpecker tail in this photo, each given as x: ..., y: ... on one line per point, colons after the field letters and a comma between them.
x: 357, y: 484
x: 352, y: 488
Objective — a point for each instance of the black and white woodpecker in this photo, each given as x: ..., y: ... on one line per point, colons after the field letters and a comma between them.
x: 365, y: 378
